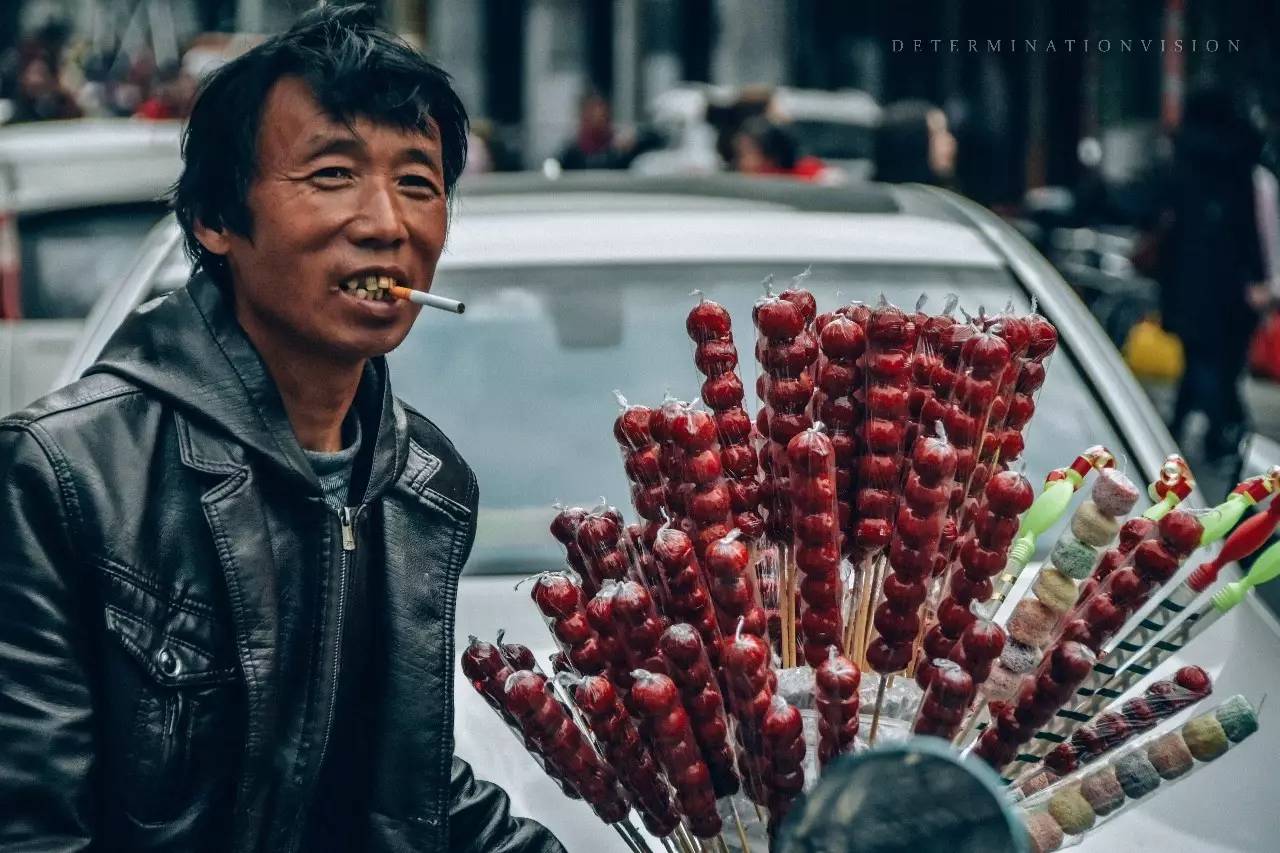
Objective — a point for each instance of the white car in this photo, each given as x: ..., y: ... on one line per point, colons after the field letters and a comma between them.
x: 580, y: 286
x: 76, y: 200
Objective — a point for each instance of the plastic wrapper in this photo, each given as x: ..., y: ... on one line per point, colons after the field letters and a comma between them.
x: 749, y: 680
x: 934, y: 331
x: 707, y: 498
x: 690, y: 668
x: 735, y: 590
x: 945, y: 701
x: 838, y: 703
x: 1115, y: 727
x: 641, y: 460
x: 626, y: 751
x: 662, y: 423
x: 600, y: 540
x: 982, y: 556
x: 1063, y: 668
x: 564, y: 528
x: 611, y: 635
x: 1153, y: 563
x: 786, y: 350
x: 711, y: 329
x: 639, y: 624
x: 1061, y: 815
x: 782, y: 728
x: 687, y: 595
x: 891, y: 338
x: 1041, y: 343
x: 842, y: 341
x: 1035, y: 620
x: 917, y: 534
x: 560, y: 599
x: 655, y: 701
x: 815, y: 520
x: 543, y: 721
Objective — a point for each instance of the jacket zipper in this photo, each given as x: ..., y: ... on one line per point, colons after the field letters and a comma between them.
x: 347, y: 517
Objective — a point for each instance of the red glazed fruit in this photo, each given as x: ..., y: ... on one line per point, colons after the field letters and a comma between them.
x: 1195, y: 679
x: 778, y: 319
x: 715, y: 357
x: 707, y: 321
x: 722, y: 391
x: 802, y: 299
x: 1181, y: 531
x: 631, y: 428
x: 1009, y: 493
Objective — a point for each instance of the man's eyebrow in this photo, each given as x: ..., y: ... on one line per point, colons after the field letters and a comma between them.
x: 421, y: 156
x: 323, y: 144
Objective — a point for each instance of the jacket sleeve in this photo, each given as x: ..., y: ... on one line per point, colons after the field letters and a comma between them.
x: 480, y: 820
x: 46, y: 716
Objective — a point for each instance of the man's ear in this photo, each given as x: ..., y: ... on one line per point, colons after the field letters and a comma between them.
x: 213, y: 239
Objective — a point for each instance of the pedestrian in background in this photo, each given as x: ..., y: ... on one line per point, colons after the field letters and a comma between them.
x: 761, y: 147
x: 596, y: 145
x: 913, y: 144
x: 1209, y: 262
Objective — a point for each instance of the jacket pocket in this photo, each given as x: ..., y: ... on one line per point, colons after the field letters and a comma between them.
x: 171, y: 700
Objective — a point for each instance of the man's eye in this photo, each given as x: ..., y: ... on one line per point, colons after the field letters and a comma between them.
x: 332, y: 173
x: 419, y: 182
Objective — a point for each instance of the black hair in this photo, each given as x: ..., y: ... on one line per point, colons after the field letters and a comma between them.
x: 776, y: 144
x: 353, y: 70
x: 902, y: 143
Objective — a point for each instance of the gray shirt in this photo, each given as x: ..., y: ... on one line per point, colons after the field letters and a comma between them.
x: 334, y: 469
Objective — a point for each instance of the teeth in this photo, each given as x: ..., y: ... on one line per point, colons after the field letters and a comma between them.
x: 376, y: 287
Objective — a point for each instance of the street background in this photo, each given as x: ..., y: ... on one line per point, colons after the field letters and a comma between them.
x: 1059, y: 111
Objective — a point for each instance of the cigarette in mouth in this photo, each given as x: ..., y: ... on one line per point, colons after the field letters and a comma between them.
x: 419, y: 297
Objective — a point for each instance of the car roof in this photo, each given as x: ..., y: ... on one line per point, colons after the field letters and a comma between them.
x: 722, y: 218
x: 60, y: 165
x: 611, y: 237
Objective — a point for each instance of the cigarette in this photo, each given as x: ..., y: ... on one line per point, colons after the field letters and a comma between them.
x: 421, y: 297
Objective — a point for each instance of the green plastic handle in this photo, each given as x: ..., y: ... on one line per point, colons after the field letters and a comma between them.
x: 1265, y: 568
x: 1157, y: 511
x: 1219, y: 520
x: 1042, y: 515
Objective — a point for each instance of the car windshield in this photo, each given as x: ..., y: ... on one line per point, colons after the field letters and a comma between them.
x: 70, y: 257
x: 522, y: 383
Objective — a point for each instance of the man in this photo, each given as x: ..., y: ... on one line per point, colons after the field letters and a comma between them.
x: 228, y: 556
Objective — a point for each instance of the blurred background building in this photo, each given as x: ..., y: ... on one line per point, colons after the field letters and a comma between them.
x: 1019, y: 113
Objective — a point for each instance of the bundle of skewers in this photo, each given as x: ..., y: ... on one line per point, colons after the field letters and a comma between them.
x: 837, y: 568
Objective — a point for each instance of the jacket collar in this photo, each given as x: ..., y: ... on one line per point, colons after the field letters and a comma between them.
x: 190, y: 351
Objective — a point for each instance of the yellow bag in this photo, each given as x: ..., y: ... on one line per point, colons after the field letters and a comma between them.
x: 1153, y: 353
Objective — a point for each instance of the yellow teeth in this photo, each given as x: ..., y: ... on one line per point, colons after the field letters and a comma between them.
x: 377, y: 287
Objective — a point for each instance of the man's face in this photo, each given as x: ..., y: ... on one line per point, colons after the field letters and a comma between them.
x: 330, y: 207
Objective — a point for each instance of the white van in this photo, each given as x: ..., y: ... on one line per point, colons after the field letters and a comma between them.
x: 76, y: 199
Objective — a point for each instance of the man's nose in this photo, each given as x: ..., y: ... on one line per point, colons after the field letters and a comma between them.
x: 380, y: 221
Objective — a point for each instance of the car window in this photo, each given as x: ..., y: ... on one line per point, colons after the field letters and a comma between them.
x: 69, y: 258
x: 523, y: 382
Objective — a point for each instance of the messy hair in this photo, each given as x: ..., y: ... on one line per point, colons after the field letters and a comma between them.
x: 354, y: 70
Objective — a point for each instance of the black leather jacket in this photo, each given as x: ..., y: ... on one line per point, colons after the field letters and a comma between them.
x: 168, y: 569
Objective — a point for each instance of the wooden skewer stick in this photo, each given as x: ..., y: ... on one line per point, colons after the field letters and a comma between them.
x: 759, y: 813
x: 721, y: 845
x: 621, y: 829
x: 875, y: 715
x: 742, y: 833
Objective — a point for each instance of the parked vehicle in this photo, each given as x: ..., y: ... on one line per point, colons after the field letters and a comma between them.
x: 579, y: 286
x: 76, y: 199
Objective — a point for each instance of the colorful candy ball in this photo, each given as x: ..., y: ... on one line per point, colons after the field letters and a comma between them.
x: 1136, y: 775
x: 1102, y: 790
x: 1237, y: 718
x: 1072, y: 811
x: 1205, y: 737
x: 1169, y: 756
x: 1073, y: 557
